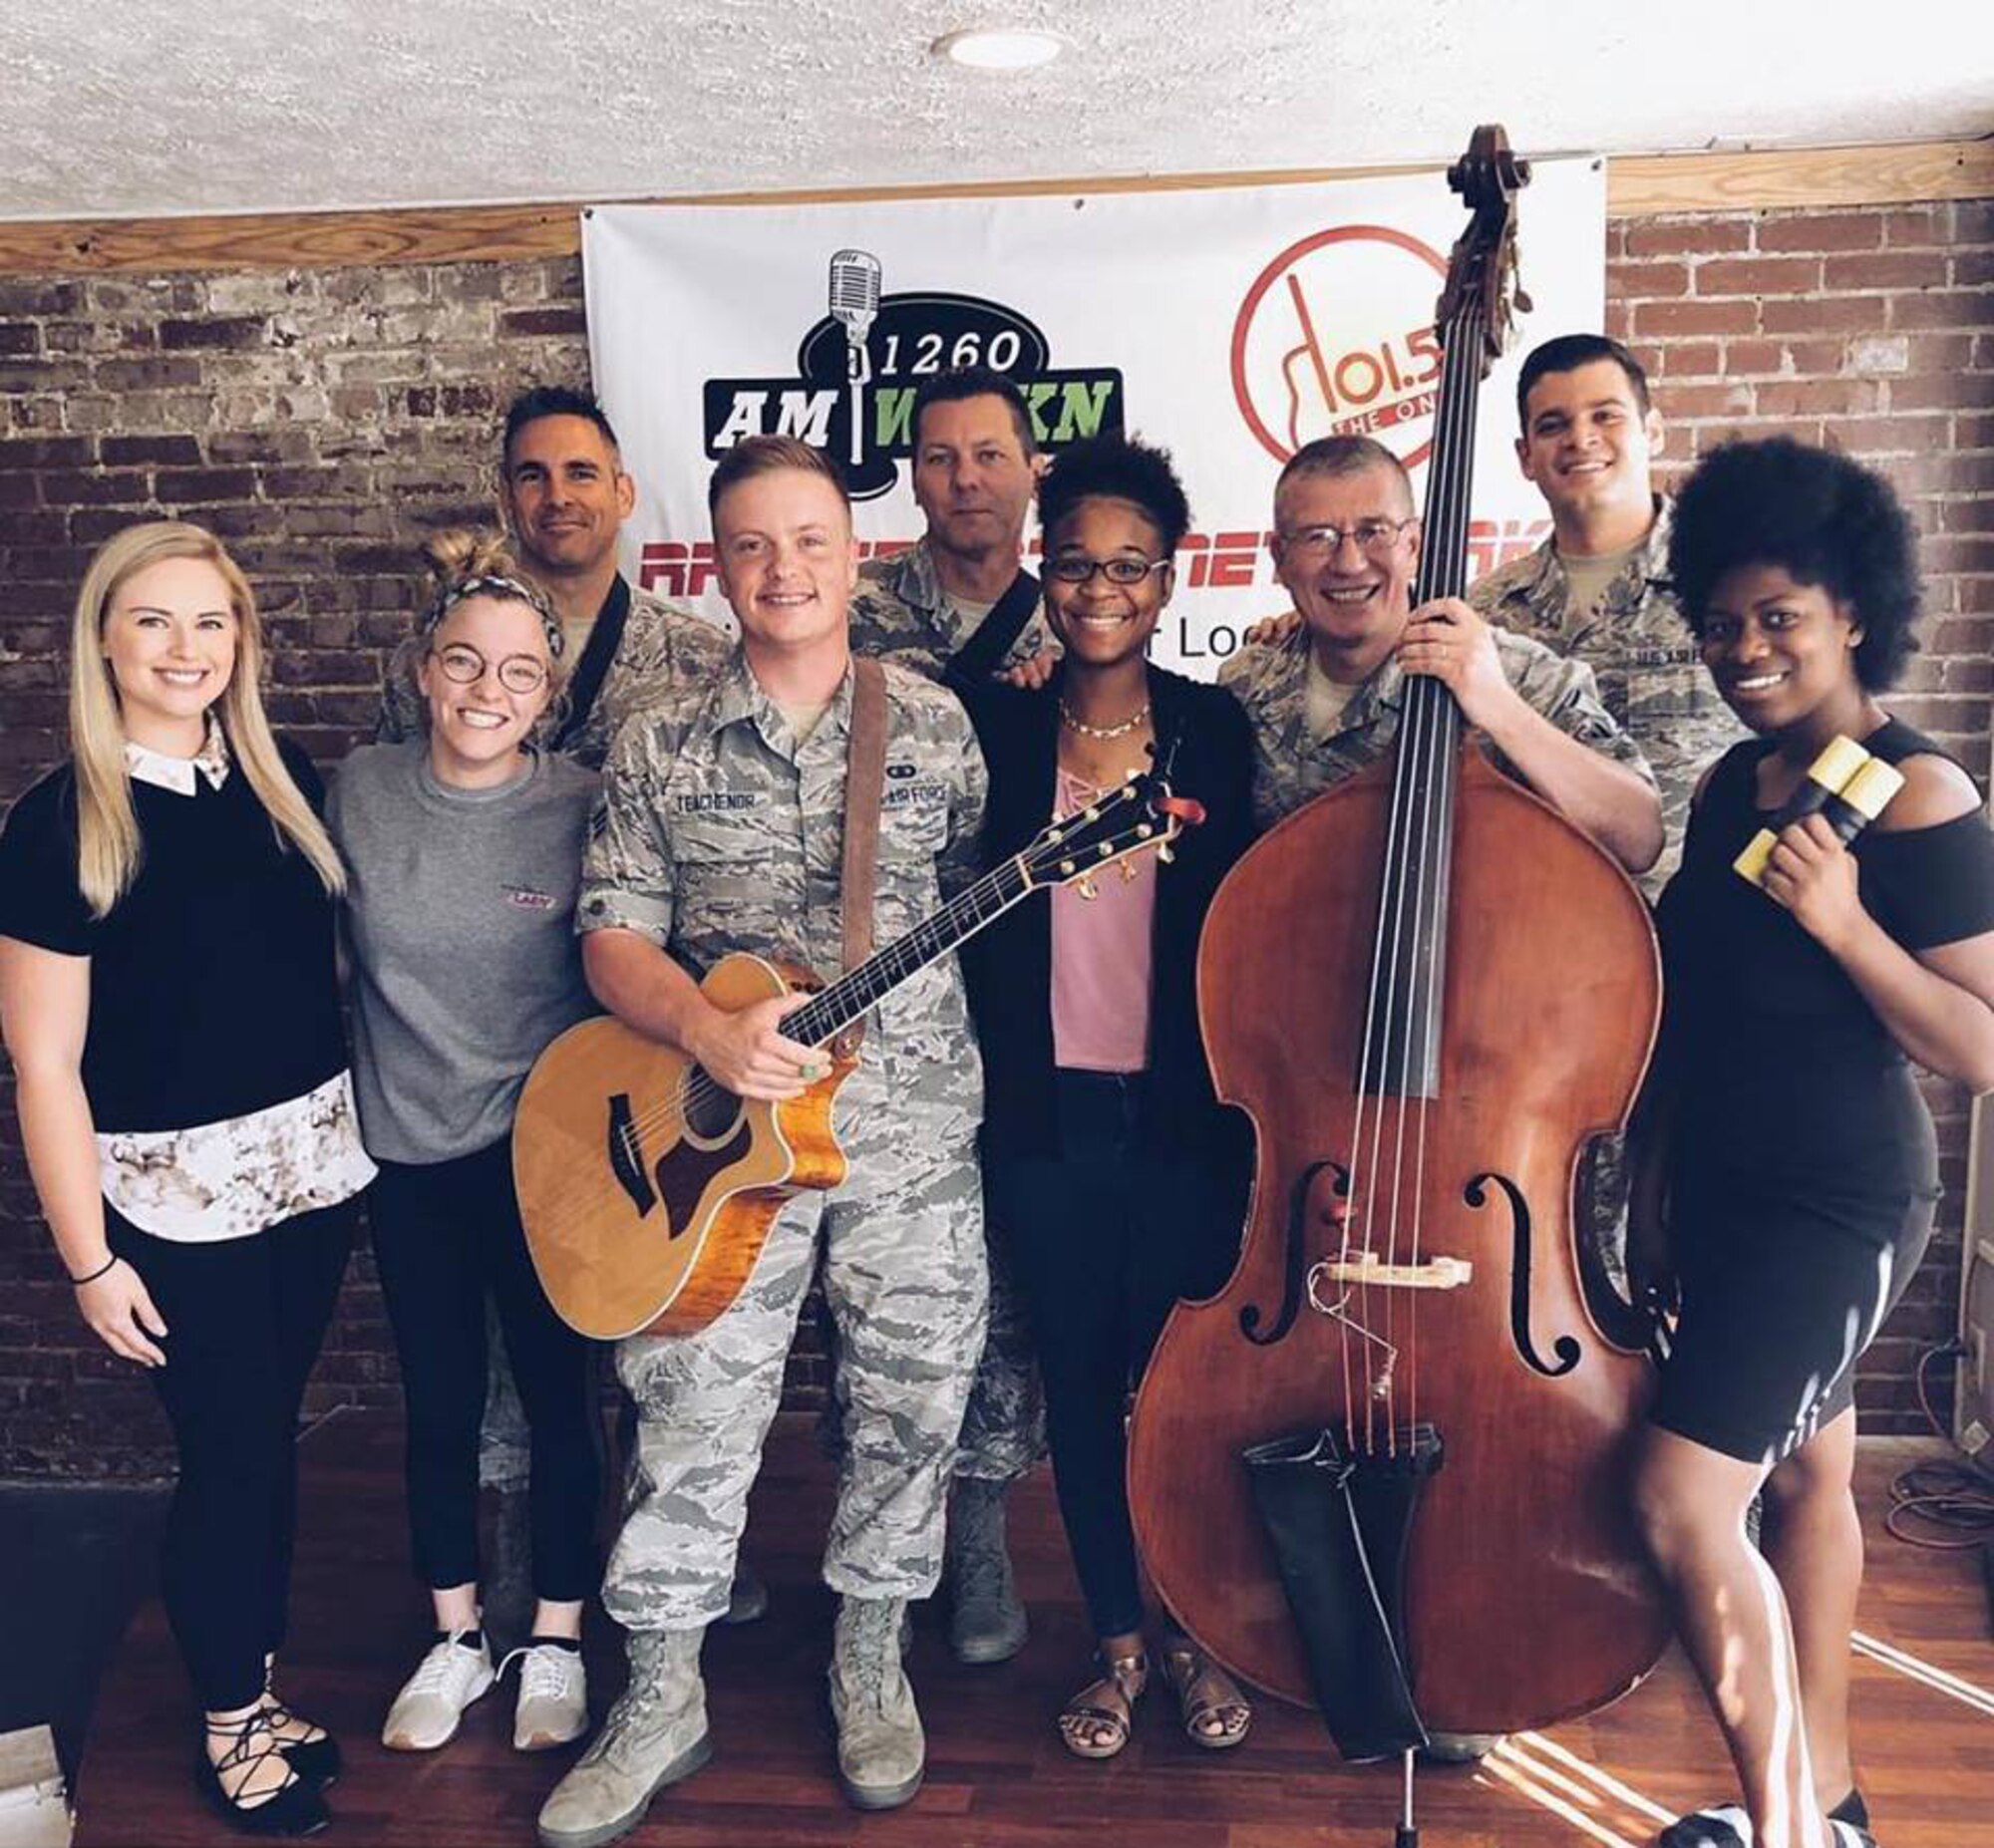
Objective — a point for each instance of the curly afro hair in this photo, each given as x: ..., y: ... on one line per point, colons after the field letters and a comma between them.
x: 1823, y: 518
x: 1116, y: 469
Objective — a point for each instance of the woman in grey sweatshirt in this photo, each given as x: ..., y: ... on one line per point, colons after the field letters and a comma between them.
x: 463, y: 848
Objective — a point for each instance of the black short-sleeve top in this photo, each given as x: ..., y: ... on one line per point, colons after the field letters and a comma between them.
x: 212, y: 988
x: 1784, y: 1067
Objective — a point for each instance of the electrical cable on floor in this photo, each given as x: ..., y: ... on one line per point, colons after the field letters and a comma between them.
x: 1944, y: 1504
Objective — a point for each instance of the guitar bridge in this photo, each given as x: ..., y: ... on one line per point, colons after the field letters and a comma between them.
x: 626, y: 1156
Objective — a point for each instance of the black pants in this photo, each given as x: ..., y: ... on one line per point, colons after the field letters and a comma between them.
x: 1105, y: 1237
x: 245, y: 1319
x: 446, y: 1234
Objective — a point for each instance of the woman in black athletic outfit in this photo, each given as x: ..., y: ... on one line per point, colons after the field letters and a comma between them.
x: 1784, y: 1168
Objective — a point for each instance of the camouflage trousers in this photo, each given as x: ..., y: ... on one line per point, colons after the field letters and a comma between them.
x: 906, y: 1280
x: 1004, y: 1423
x: 1004, y: 1426
x: 504, y: 1445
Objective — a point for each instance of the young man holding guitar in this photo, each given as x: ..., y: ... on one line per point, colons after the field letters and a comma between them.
x: 722, y: 831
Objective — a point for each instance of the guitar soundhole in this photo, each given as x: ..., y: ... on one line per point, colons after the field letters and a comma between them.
x: 710, y: 1112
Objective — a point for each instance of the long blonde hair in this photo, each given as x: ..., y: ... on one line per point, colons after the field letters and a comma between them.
x: 107, y: 843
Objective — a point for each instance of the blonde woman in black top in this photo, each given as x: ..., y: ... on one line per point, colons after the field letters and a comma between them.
x: 167, y: 989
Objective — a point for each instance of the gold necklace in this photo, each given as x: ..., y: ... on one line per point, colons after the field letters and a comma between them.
x: 1106, y: 733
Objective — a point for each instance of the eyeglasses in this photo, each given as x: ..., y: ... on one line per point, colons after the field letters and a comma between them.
x: 517, y: 673
x: 1374, y: 536
x: 1074, y: 569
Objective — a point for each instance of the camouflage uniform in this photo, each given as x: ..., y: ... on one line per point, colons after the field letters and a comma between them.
x: 720, y: 833
x: 1650, y: 673
x: 1290, y: 764
x: 1652, y: 678
x: 899, y: 612
x: 663, y: 647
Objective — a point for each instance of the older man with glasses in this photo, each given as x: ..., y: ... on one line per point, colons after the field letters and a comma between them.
x: 1325, y: 702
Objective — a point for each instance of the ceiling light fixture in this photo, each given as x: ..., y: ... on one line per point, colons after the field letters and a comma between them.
x: 999, y: 48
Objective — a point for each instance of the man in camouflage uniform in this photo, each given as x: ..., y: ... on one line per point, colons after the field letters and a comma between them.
x: 1325, y: 702
x: 722, y: 830
x: 975, y: 464
x: 1597, y: 590
x: 565, y: 495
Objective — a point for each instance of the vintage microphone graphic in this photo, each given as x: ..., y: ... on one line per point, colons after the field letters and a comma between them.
x: 855, y: 304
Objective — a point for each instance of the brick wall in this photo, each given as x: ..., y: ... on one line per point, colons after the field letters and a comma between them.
x: 321, y: 420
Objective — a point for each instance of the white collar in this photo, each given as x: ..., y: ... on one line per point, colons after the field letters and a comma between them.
x: 145, y: 764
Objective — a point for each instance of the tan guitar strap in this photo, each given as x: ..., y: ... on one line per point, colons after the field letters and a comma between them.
x: 865, y: 783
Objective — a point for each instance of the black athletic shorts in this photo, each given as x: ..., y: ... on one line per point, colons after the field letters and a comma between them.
x: 1779, y: 1297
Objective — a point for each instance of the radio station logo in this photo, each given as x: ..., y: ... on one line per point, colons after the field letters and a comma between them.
x: 1335, y: 339
x: 858, y: 368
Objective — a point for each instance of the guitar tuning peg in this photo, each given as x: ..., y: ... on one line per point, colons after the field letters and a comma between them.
x: 1126, y: 868
x: 1164, y: 852
x: 1087, y: 888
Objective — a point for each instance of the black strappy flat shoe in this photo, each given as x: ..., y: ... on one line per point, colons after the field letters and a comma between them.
x: 317, y: 1759
x: 294, y: 1808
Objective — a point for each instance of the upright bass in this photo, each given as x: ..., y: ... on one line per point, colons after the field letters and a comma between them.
x: 1428, y: 990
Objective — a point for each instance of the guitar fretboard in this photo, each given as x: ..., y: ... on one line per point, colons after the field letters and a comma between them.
x: 826, y: 1015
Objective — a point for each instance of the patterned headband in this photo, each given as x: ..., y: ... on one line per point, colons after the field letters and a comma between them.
x: 491, y: 584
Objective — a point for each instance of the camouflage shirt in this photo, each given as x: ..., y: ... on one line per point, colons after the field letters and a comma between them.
x: 899, y: 612
x: 663, y: 648
x: 1291, y: 764
x: 718, y: 832
x: 1650, y: 674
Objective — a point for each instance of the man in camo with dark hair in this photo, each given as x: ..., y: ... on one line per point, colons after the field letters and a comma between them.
x: 565, y: 495
x: 1597, y: 590
x: 960, y: 606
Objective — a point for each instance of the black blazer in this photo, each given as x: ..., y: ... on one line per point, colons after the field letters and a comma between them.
x: 1008, y: 967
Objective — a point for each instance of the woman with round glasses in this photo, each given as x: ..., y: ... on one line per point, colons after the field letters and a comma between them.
x: 463, y: 848
x: 1111, y: 1173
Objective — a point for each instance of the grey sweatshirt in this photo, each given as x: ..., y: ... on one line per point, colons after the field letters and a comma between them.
x: 460, y: 927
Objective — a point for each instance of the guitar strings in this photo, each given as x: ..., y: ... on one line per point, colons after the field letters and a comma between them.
x: 954, y: 923
x: 698, y: 1087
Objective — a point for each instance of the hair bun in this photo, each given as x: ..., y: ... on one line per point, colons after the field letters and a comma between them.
x: 460, y: 552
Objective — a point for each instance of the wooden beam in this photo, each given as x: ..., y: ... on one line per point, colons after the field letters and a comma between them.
x: 1637, y: 186
x: 1790, y: 178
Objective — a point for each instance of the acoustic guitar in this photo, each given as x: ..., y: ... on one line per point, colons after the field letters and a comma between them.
x: 647, y: 1189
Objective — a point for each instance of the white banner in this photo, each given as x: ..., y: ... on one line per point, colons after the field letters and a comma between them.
x: 1229, y: 325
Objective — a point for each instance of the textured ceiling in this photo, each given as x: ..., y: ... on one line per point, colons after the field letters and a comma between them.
x: 151, y: 107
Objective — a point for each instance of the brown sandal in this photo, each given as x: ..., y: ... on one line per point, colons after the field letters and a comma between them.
x: 1095, y: 1722
x: 1206, y: 1694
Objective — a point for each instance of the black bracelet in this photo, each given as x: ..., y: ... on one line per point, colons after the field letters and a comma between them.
x: 104, y: 1269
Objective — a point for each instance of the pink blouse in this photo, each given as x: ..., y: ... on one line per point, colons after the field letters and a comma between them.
x: 1101, y: 958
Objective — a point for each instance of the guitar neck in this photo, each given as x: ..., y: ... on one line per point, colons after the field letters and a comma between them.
x: 827, y: 1014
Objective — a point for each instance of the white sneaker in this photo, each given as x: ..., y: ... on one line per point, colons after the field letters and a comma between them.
x: 432, y: 1702
x: 553, y: 1697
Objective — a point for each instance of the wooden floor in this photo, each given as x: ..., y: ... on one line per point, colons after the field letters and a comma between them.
x: 997, y: 1774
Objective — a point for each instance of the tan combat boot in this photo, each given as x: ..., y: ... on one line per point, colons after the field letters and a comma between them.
x: 881, y: 1747
x: 656, y: 1735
